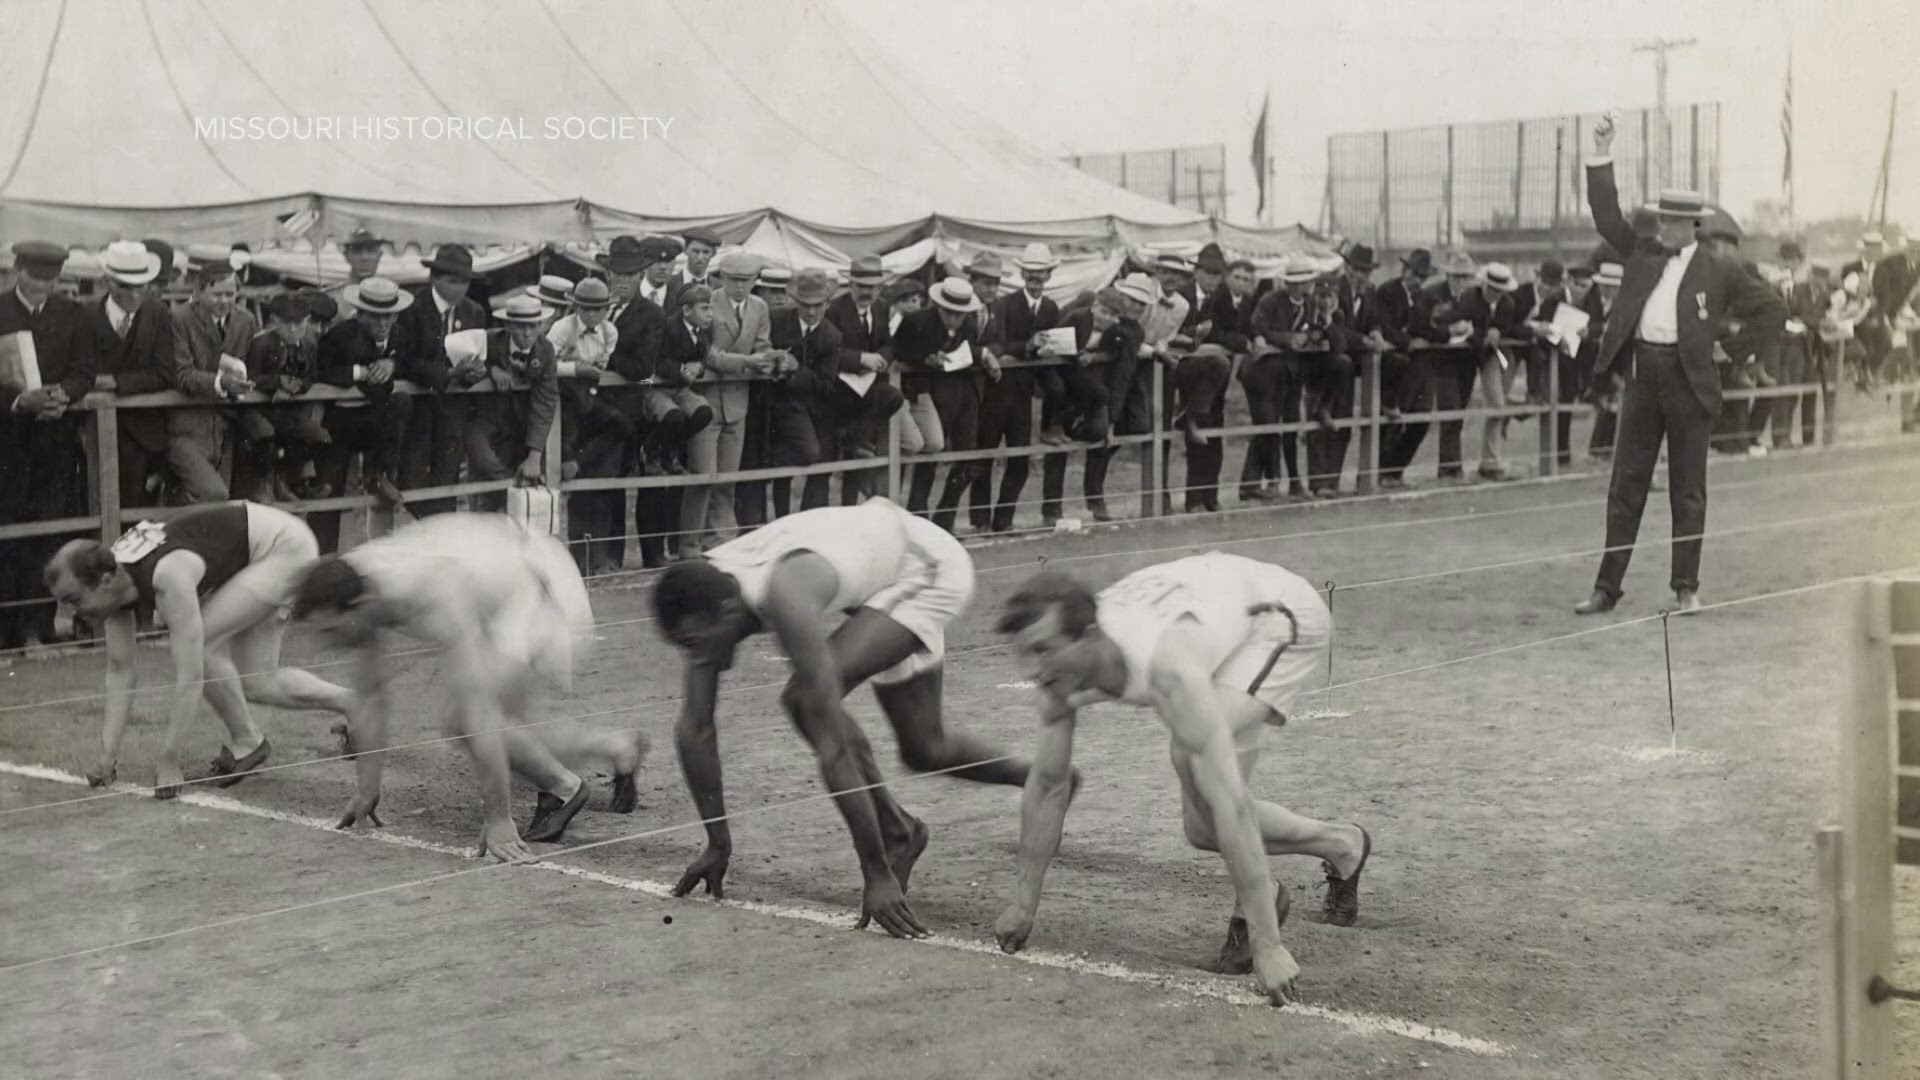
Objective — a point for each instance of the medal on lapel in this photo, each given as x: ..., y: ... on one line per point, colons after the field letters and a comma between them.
x: 1701, y: 298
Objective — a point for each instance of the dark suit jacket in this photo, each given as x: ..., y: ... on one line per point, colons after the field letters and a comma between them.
x: 920, y: 336
x: 1231, y: 319
x: 1713, y: 291
x: 527, y: 394
x: 420, y: 335
x: 854, y: 338
x: 1892, y: 281
x: 63, y: 340
x: 1400, y: 314
x: 1020, y: 319
x: 349, y: 342
x: 678, y: 345
x: 641, y: 327
x: 818, y: 352
x: 198, y: 345
x: 140, y: 363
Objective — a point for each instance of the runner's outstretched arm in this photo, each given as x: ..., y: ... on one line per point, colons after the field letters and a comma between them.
x: 122, y: 677
x: 812, y: 699
x: 367, y: 733
x: 1043, y: 814
x: 1183, y: 693
x: 698, y: 743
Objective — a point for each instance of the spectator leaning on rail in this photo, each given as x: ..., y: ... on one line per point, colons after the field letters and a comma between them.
x: 684, y: 349
x: 750, y: 497
x: 739, y: 350
x: 1407, y: 372
x: 594, y: 434
x: 210, y: 337
x: 42, y: 469
x: 282, y: 367
x: 1281, y: 329
x: 1488, y: 307
x: 1005, y: 412
x: 1110, y: 340
x: 1007, y: 408
x: 363, y: 352
x: 134, y: 342
x: 799, y: 412
x: 363, y: 251
x: 1604, y: 393
x: 701, y: 246
x: 641, y: 299
x: 507, y: 436
x: 865, y: 323
x: 926, y: 343
x: 437, y: 428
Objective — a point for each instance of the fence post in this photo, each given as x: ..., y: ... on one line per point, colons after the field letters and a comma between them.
x: 1150, y: 478
x: 1550, y: 420
x: 1367, y: 467
x: 893, y: 447
x: 550, y: 463
x: 1868, y: 817
x: 106, y: 438
x: 1831, y: 874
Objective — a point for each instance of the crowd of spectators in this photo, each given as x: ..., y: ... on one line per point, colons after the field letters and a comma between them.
x: 727, y: 362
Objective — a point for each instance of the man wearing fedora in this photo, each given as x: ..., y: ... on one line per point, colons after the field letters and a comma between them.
x: 1197, y: 380
x: 134, y: 335
x: 364, y: 352
x: 363, y: 251
x: 923, y: 345
x: 1676, y: 300
x: 1407, y: 371
x: 1275, y: 380
x: 507, y: 436
x: 638, y: 270
x: 1006, y: 401
x: 42, y: 469
x: 436, y: 440
x: 1006, y: 408
x: 740, y: 350
x: 800, y: 424
x: 865, y: 322
x: 210, y: 338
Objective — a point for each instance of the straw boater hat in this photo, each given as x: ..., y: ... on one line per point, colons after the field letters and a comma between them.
x: 361, y: 239
x: 129, y: 262
x: 1036, y: 257
x: 521, y: 309
x: 1610, y: 273
x: 591, y: 294
x: 775, y: 276
x: 377, y: 296
x: 1500, y: 276
x: 1167, y: 260
x: 867, y: 270
x: 553, y: 290
x: 955, y: 294
x: 1137, y: 287
x: 1298, y: 272
x: 1675, y: 202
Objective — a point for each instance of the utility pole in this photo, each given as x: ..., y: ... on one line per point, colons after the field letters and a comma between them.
x: 1662, y: 155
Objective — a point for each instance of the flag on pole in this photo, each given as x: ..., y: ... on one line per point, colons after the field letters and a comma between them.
x: 298, y: 223
x: 1260, y: 154
x: 1786, y: 134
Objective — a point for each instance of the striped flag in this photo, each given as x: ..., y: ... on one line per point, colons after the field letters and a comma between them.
x: 1260, y: 154
x: 1786, y: 134
x: 299, y: 222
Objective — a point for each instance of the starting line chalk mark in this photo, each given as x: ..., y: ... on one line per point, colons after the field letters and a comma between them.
x: 1230, y: 991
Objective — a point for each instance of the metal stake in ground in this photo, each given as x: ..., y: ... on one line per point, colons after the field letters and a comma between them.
x: 1332, y: 632
x: 1666, y: 643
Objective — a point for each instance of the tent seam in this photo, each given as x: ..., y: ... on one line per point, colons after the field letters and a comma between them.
x: 39, y: 95
x: 153, y: 35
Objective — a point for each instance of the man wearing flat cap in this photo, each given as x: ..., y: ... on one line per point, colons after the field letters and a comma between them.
x: 47, y: 361
x: 739, y: 349
x: 700, y: 245
x: 436, y: 442
x: 1676, y: 300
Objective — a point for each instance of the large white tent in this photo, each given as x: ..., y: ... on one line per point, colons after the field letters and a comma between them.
x: 776, y: 125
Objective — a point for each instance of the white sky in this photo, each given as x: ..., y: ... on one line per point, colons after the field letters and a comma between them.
x: 1092, y: 75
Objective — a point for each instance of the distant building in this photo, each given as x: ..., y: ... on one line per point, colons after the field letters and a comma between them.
x: 1192, y: 177
x: 1512, y: 190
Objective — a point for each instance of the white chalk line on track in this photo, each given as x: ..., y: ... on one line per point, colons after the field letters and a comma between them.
x: 1229, y: 991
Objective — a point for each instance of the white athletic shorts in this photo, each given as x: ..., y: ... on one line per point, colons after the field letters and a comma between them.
x: 932, y: 590
x: 280, y: 547
x: 545, y: 620
x: 1267, y: 668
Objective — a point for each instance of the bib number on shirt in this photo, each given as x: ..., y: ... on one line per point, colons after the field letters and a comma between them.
x: 1147, y: 591
x: 138, y: 542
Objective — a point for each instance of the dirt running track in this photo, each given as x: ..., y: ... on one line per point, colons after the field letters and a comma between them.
x: 1554, y: 892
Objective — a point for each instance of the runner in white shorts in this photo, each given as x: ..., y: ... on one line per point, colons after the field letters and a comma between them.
x: 219, y: 578
x: 901, y: 580
x: 1220, y: 646
x: 508, y: 609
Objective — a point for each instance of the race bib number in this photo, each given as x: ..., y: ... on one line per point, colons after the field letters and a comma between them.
x: 138, y: 542
x: 1147, y: 590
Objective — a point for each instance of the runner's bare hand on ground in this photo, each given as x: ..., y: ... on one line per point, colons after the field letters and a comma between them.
x: 502, y: 841
x: 1012, y: 929
x: 361, y: 809
x: 102, y: 774
x: 710, y: 867
x: 1277, y: 970
x: 885, y: 904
